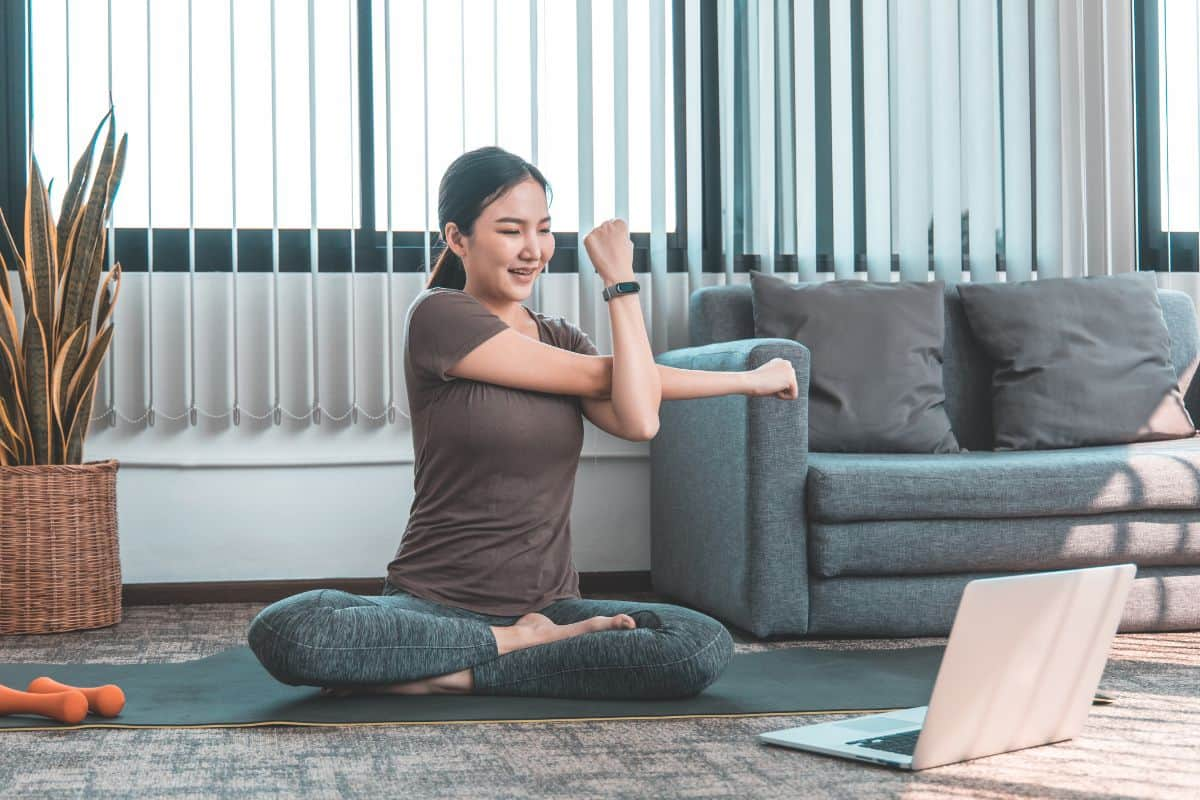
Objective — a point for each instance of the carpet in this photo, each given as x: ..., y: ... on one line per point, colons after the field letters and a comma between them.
x: 1145, y: 745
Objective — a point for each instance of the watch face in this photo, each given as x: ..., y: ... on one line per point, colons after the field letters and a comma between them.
x: 627, y: 286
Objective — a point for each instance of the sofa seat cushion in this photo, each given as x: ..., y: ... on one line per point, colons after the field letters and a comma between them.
x: 936, y: 546
x: 846, y: 487
x: 1162, y: 599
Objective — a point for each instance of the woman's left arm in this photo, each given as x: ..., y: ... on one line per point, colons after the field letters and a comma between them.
x: 776, y: 378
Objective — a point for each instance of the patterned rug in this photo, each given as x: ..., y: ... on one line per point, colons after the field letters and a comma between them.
x: 1147, y: 744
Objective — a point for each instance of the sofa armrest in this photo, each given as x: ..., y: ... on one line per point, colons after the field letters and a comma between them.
x: 727, y: 476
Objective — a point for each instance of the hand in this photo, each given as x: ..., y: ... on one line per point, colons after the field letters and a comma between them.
x: 611, y: 251
x: 776, y: 378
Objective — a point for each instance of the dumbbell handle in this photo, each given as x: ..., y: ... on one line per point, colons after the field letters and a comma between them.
x: 106, y: 700
x: 69, y: 706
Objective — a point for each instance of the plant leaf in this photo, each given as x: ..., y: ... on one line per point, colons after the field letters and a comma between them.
x: 58, y: 400
x: 86, y: 239
x: 10, y: 368
x: 9, y: 439
x: 111, y: 286
x: 80, y: 423
x: 10, y: 436
x: 13, y: 249
x: 75, y: 190
x: 36, y: 352
x: 90, y: 364
x: 64, y: 272
x: 112, y: 283
x: 82, y: 416
x: 13, y: 366
x: 9, y: 332
x: 5, y: 289
x: 40, y: 255
x: 97, y: 265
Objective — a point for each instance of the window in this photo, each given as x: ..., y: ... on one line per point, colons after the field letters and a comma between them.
x: 203, y: 160
x: 1167, y: 134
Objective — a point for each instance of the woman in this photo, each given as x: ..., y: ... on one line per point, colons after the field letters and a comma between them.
x: 482, y: 596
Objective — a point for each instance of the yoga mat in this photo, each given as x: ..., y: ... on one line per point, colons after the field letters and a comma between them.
x: 231, y: 690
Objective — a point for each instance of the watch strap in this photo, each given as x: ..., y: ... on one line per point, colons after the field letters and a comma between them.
x: 620, y: 288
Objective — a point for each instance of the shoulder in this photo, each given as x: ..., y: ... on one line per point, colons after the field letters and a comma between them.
x: 567, y: 334
x: 440, y: 296
x: 449, y: 320
x: 437, y: 304
x: 561, y: 326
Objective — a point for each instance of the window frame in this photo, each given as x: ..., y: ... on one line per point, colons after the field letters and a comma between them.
x: 1156, y: 250
x: 12, y: 105
x: 255, y: 250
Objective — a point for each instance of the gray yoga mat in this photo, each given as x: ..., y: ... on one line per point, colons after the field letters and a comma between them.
x: 231, y: 689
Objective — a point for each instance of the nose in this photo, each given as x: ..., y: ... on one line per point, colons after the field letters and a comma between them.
x: 533, y: 249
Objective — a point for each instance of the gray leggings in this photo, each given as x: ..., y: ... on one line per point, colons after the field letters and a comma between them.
x: 327, y: 637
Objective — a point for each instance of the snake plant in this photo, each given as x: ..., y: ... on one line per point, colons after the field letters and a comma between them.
x: 48, y: 372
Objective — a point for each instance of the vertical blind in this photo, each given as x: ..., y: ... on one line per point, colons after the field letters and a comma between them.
x: 248, y: 118
x: 927, y: 138
x: 876, y: 138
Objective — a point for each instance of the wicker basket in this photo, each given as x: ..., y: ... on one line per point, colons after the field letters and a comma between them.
x: 60, y: 567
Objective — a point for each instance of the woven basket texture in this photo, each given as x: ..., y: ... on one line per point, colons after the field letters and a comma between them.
x: 60, y: 567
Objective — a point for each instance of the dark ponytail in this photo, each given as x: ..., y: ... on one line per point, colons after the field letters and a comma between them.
x: 472, y: 182
x: 448, y: 271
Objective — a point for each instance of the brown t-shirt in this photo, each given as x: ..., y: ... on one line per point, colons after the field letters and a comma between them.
x: 489, y: 529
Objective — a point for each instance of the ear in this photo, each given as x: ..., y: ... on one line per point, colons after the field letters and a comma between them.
x: 456, y: 240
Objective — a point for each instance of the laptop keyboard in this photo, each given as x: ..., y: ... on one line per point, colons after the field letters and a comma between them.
x: 903, y: 743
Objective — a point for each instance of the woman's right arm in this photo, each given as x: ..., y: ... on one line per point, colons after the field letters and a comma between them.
x: 776, y: 378
x: 635, y: 385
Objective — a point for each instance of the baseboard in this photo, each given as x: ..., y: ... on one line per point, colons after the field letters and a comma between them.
x: 154, y: 594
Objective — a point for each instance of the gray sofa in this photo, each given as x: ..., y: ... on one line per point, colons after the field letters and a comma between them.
x: 749, y: 526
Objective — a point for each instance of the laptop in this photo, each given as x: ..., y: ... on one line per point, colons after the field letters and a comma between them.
x: 1024, y: 658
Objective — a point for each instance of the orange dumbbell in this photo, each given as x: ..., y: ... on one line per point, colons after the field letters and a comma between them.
x: 106, y: 700
x: 69, y: 706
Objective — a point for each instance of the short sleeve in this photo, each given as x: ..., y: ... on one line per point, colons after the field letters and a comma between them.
x: 581, y: 342
x: 443, y: 327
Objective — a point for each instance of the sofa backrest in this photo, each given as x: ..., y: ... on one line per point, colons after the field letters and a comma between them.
x: 726, y: 313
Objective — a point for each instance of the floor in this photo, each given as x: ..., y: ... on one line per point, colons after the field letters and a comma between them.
x: 1147, y: 744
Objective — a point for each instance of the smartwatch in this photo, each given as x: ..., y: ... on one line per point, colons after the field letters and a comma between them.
x: 619, y: 288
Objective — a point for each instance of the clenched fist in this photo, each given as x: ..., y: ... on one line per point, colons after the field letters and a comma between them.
x: 776, y: 378
x: 611, y: 251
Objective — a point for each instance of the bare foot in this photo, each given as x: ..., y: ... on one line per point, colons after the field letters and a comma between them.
x: 529, y: 630
x: 535, y: 629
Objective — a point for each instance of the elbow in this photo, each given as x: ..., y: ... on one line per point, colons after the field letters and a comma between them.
x: 647, y: 431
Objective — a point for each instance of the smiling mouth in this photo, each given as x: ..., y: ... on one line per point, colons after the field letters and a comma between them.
x: 524, y: 272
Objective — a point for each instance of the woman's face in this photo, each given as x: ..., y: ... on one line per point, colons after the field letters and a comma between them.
x: 511, y: 235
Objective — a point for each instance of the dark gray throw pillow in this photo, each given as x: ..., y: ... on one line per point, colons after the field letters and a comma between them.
x: 876, y: 374
x: 1079, y: 361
